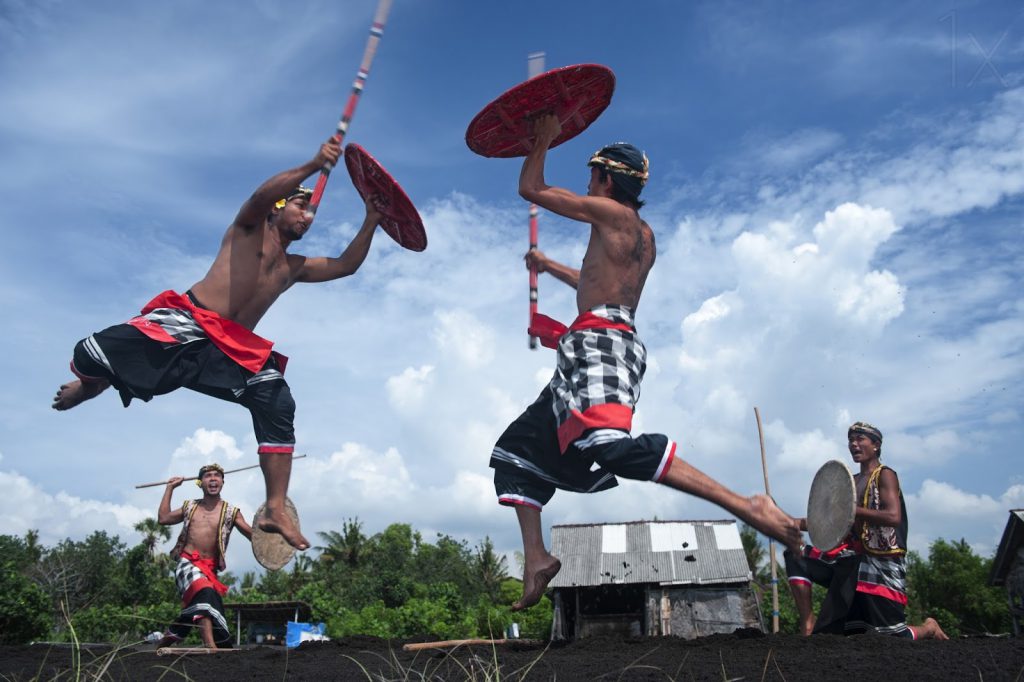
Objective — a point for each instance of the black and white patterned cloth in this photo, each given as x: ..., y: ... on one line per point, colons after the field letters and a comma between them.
x: 598, y: 367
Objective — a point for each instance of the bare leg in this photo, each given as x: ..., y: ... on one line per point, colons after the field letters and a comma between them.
x: 929, y: 629
x: 277, y: 470
x: 78, y: 391
x: 759, y: 511
x: 802, y: 596
x: 540, y: 566
x: 206, y: 632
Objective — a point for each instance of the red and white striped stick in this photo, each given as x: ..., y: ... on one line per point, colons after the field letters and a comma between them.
x: 376, y: 31
x: 534, y: 66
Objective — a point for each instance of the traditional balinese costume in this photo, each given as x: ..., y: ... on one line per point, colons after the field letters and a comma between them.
x: 866, y: 575
x: 195, y: 576
x: 583, y: 416
x: 175, y: 342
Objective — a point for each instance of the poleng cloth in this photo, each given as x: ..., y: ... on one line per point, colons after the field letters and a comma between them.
x: 194, y: 573
x: 601, y: 363
x: 173, y: 318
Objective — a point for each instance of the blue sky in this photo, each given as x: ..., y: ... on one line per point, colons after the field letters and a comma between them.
x: 836, y: 191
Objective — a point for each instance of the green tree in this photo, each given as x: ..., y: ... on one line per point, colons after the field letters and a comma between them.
x: 490, y: 569
x: 152, y: 533
x: 80, y: 574
x: 952, y: 588
x: 24, y: 608
x: 344, y: 547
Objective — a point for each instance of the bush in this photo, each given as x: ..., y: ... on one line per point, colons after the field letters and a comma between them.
x: 24, y: 608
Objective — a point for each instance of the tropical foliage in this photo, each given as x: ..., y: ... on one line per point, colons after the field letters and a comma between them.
x: 394, y: 584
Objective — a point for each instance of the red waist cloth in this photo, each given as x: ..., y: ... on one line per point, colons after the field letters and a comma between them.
x: 240, y: 344
x: 614, y: 415
x: 209, y: 570
x: 550, y: 330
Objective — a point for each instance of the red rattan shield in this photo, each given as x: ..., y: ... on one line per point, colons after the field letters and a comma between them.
x: 576, y: 94
x: 401, y: 220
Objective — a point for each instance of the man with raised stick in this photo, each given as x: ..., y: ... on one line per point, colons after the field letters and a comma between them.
x: 203, y: 340
x: 584, y: 416
x: 200, y: 552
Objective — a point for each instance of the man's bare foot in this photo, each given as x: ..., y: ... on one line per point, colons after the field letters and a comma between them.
x: 930, y: 629
x: 277, y: 521
x: 78, y: 391
x: 535, y: 582
x: 766, y: 517
x: 807, y: 626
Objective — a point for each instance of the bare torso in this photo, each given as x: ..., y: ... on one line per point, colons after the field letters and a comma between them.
x: 250, y: 271
x: 203, y: 529
x: 618, y: 260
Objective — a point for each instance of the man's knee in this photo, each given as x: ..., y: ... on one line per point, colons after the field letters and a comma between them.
x: 89, y: 362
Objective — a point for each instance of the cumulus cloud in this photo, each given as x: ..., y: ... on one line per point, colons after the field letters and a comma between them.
x: 458, y: 333
x: 407, y: 389
x: 61, y: 515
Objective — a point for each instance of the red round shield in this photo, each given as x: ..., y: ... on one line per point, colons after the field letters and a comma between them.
x: 576, y: 94
x: 400, y: 218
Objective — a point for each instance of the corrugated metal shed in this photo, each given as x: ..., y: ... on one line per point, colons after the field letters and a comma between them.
x: 643, y: 552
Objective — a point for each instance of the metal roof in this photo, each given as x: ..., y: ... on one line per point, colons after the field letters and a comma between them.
x: 1012, y: 540
x: 663, y: 552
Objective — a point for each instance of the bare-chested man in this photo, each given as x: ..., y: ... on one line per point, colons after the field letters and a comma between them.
x: 200, y: 552
x: 584, y: 415
x: 203, y: 340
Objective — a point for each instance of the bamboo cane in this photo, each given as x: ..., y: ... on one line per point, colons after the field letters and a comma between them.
x: 771, y: 542
x: 376, y: 31
x: 448, y: 643
x: 534, y: 66
x: 196, y: 478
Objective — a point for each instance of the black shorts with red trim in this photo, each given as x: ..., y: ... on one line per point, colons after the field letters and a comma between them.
x: 528, y: 466
x: 140, y: 367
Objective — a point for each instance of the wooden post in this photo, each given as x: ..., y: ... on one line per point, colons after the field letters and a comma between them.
x: 771, y: 542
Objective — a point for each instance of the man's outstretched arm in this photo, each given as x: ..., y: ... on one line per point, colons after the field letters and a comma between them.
x: 258, y: 206
x: 323, y: 269
x: 561, y: 272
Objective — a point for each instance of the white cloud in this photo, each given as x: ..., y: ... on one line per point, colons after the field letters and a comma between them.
x: 408, y: 389
x: 460, y: 334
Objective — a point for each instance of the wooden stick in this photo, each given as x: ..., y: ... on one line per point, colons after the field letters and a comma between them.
x: 189, y: 650
x: 196, y: 478
x: 419, y: 646
x: 376, y: 31
x: 771, y: 542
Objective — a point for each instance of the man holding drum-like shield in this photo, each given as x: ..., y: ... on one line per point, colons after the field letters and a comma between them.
x: 860, y: 525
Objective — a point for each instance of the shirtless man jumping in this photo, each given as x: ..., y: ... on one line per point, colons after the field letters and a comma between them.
x: 199, y: 554
x: 584, y: 415
x: 203, y: 340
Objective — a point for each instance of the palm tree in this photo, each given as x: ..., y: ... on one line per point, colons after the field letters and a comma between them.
x: 152, y: 532
x: 344, y: 547
x: 490, y: 568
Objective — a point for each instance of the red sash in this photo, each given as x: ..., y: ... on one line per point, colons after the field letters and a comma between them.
x: 240, y: 344
x: 209, y: 579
